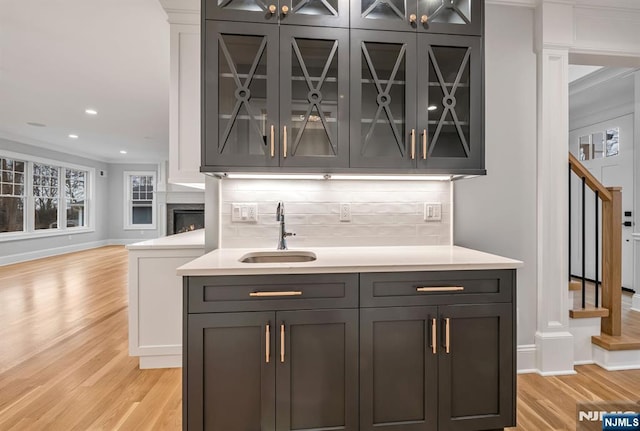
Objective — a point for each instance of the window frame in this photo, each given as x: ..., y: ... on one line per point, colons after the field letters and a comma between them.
x: 29, y: 198
x: 128, y: 201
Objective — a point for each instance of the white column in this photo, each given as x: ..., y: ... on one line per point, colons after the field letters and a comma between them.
x: 554, y: 342
x: 636, y: 201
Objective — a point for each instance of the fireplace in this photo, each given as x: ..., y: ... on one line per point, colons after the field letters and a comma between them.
x: 184, y: 217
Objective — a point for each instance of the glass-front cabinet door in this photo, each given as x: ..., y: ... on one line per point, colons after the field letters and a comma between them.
x: 450, y: 102
x: 241, y: 95
x: 432, y: 16
x: 314, y: 97
x: 383, y: 99
x: 323, y: 13
x: 450, y: 16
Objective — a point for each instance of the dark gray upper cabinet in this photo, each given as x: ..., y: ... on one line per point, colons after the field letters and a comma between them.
x: 240, y: 108
x: 323, y: 13
x: 275, y: 96
x: 416, y: 102
x: 383, y: 99
x: 432, y: 16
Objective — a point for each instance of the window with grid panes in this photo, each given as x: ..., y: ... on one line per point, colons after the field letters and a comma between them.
x: 45, y: 196
x: 141, y: 201
x: 75, y: 197
x: 12, y: 195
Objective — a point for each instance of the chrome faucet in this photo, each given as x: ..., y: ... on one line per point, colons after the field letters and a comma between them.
x: 282, y: 238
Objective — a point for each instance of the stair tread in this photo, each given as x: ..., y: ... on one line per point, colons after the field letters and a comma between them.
x: 575, y: 285
x: 585, y: 313
x: 619, y: 342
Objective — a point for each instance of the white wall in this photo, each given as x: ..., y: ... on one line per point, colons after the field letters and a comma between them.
x: 383, y: 212
x: 497, y: 213
x: 25, y: 249
x: 611, y: 171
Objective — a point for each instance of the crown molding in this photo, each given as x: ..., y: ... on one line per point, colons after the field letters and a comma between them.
x: 598, y: 77
x: 182, y: 11
x: 521, y: 3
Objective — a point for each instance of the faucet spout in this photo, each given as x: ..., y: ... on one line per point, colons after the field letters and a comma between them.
x: 282, y: 237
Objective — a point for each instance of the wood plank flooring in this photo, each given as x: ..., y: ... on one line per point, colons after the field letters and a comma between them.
x: 64, y: 363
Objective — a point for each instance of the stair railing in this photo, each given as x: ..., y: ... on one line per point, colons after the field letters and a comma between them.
x: 611, y: 228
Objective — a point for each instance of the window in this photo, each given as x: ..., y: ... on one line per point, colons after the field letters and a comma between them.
x: 140, y: 209
x: 12, y: 194
x: 41, y: 197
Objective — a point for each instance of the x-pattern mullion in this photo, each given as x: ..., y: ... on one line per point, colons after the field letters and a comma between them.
x: 316, y: 88
x: 379, y: 2
x: 449, y: 94
x: 326, y: 4
x: 442, y: 7
x: 226, y: 3
x: 247, y: 83
x: 385, y: 107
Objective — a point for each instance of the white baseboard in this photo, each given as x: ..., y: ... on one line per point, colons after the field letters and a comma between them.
x: 160, y: 361
x: 38, y: 254
x: 616, y: 360
x: 554, y: 353
x: 527, y: 359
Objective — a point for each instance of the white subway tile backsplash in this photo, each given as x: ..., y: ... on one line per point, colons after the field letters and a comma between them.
x: 384, y: 213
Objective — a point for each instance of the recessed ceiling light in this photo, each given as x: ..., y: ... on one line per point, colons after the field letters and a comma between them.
x: 91, y: 111
x: 123, y: 152
x: 432, y: 108
x: 34, y: 124
x: 72, y: 136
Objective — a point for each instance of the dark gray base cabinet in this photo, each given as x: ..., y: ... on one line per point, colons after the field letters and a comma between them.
x: 407, y: 351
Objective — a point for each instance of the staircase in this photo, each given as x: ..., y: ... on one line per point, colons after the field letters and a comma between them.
x: 596, y: 319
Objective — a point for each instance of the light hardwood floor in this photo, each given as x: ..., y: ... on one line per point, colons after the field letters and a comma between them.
x: 64, y: 363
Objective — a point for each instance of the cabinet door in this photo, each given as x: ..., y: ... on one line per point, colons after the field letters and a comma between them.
x: 314, y: 96
x: 450, y: 103
x: 384, y: 14
x: 451, y: 16
x: 241, y: 94
x: 398, y: 369
x: 317, y: 371
x: 230, y: 380
x: 477, y: 382
x: 266, y: 11
x: 383, y: 103
x: 323, y: 13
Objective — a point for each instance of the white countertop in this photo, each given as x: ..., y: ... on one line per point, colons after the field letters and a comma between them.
x: 192, y: 239
x: 349, y: 260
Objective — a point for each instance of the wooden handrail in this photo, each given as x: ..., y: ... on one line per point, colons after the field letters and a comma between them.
x: 591, y: 181
x: 611, y: 247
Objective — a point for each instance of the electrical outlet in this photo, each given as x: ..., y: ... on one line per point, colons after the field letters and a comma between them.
x: 244, y: 212
x: 433, y: 211
x: 345, y: 212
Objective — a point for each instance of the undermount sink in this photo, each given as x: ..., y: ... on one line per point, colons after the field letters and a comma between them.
x: 276, y: 256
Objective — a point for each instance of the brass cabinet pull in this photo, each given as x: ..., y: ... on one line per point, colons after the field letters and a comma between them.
x: 273, y: 147
x: 285, y: 10
x: 434, y: 343
x: 282, y: 342
x: 424, y: 144
x: 440, y: 289
x: 267, y: 347
x: 412, y: 18
x: 424, y: 19
x: 272, y: 8
x: 285, y: 141
x: 447, y: 340
x: 278, y: 293
x: 413, y: 144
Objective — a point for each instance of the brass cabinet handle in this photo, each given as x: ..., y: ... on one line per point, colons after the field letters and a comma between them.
x: 440, y: 289
x: 285, y: 141
x: 282, y: 342
x: 413, y: 144
x: 447, y: 340
x: 285, y: 10
x: 434, y: 343
x: 272, y: 9
x: 267, y: 347
x: 424, y: 144
x: 424, y: 19
x: 277, y: 293
x: 273, y: 147
x: 412, y: 18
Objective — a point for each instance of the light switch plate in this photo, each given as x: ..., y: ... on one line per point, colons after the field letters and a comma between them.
x: 432, y: 211
x: 244, y: 212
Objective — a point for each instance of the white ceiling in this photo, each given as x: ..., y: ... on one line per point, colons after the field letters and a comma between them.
x: 59, y: 57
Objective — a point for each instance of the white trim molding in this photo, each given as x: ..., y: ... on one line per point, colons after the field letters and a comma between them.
x: 39, y: 254
x: 554, y: 353
x: 526, y: 359
x: 616, y: 360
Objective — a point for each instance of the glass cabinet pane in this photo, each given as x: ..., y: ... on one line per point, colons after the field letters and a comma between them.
x: 448, y: 11
x: 315, y: 7
x: 242, y: 95
x: 449, y: 101
x: 383, y: 81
